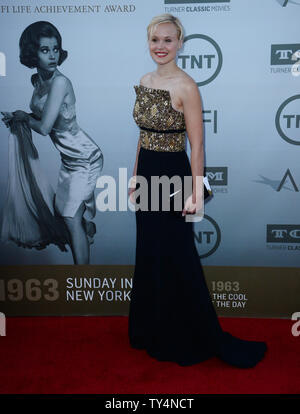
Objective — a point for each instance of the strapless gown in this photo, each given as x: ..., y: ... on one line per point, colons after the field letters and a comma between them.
x: 171, y: 314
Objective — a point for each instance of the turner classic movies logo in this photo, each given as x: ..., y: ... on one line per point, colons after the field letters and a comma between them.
x: 218, y: 178
x: 202, y: 58
x: 283, y: 236
x: 196, y: 6
x: 287, y: 120
x: 285, y: 58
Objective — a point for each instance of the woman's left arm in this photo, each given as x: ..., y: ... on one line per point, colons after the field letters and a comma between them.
x: 192, y: 109
x: 51, y: 109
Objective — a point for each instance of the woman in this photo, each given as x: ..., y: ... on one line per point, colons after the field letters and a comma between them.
x: 171, y: 314
x: 53, y: 107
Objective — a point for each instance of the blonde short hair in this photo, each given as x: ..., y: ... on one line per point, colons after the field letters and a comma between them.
x: 166, y: 18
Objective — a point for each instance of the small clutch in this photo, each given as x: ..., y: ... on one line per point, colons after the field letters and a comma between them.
x: 206, y: 194
x: 207, y: 189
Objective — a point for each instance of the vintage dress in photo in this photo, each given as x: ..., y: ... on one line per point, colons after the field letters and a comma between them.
x: 32, y: 214
x: 81, y: 159
x: 28, y: 216
x: 171, y: 314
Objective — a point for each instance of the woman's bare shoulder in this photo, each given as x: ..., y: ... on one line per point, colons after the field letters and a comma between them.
x: 146, y: 79
x: 62, y: 80
x: 186, y: 83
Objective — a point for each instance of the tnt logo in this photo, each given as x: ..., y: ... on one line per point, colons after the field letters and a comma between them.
x: 2, y: 64
x: 296, y: 325
x: 202, y: 58
x: 287, y: 120
x: 2, y: 324
x: 207, y: 236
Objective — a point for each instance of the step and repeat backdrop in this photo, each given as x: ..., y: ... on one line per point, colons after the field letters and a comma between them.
x: 245, y: 57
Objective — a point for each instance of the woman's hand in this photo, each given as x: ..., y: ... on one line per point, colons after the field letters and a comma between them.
x: 193, y: 205
x: 7, y: 117
x: 21, y: 116
x: 132, y: 188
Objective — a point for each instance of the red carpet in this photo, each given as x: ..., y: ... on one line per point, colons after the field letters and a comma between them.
x: 91, y: 355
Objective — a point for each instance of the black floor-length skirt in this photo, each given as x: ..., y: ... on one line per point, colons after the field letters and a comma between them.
x: 171, y: 314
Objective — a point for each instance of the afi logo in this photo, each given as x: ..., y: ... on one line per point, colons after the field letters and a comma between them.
x: 287, y: 175
x: 2, y: 64
x: 284, y: 3
x: 296, y: 325
x: 2, y: 324
x: 211, y: 120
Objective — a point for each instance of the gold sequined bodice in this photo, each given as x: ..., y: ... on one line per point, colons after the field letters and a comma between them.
x: 162, y: 127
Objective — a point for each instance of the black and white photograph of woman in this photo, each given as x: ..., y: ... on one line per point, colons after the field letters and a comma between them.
x: 34, y: 215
